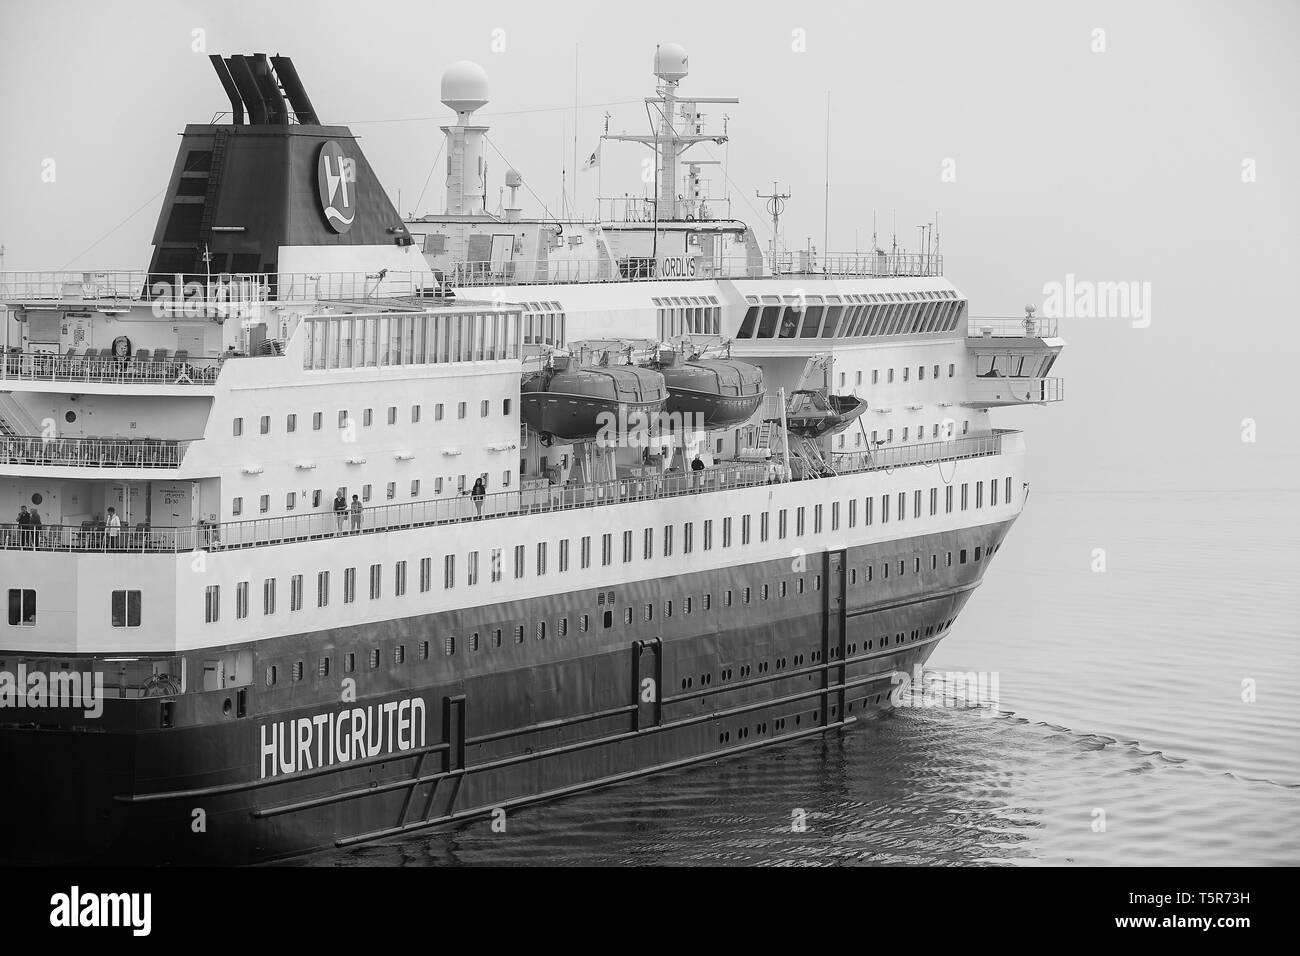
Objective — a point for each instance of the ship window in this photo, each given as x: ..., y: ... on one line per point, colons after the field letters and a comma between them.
x: 375, y: 577
x: 390, y: 490
x: 437, y: 412
x: 961, y: 556
x: 365, y: 492
x: 747, y: 324
x: 460, y: 409
x: 268, y: 596
x: 812, y: 320
x: 264, y: 504
x: 271, y: 676
x: 649, y: 612
x: 295, y: 593
x: 627, y: 546
x: 239, y: 427
x: 316, y: 421
x: 889, y: 378
x: 22, y: 607
x: 767, y: 324
x: 349, y: 585
x: 343, y: 419
x: 832, y: 322
x: 322, y: 589
x: 322, y: 667
x: 627, y: 615
x: 373, y: 658
x: 349, y: 662
x: 212, y: 603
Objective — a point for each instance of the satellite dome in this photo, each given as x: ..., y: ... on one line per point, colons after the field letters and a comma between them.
x: 513, y: 178
x: 464, y: 86
x: 671, y: 62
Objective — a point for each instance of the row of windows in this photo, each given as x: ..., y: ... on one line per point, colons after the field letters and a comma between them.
x: 688, y: 315
x: 366, y: 493
x: 410, y: 338
x: 493, y: 559
x: 124, y: 608
x: 475, y: 641
x: 345, y: 420
x: 889, y: 374
x: 811, y: 317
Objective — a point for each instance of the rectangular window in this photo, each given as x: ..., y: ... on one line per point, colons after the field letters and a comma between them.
x: 291, y: 422
x: 726, y: 532
x: 564, y: 555
x: 316, y: 421
x: 668, y: 540
x: 212, y: 603
x: 322, y: 589
x: 541, y: 558
x: 241, y: 600
x: 367, y: 417
x: 343, y: 419
x: 494, y: 560
x: 762, y: 525
x: 993, y: 493
x: 780, y: 525
x: 392, y: 414
x: 688, y: 534
x: 268, y: 596
x: 744, y: 529
x: 392, y: 490
x: 126, y: 607
x: 460, y: 409
x: 648, y: 544
x: 519, y: 561
x: 868, y: 504
x: 916, y: 503
x: 295, y: 593
x: 934, y: 501
x: 376, y: 575
x: 290, y: 500
x: 399, y: 578
x: 965, y: 495
x: 817, y: 519
x: 483, y: 409
x: 265, y: 425
x: 1007, y: 498
x: 979, y: 494
x: 449, y: 571
x: 947, y: 499
x: 426, y: 574
x: 798, y: 522
x: 239, y: 427
x: 627, y: 546
x: 437, y: 412
x: 606, y: 549
x: 835, y: 516
x: 349, y: 585
x: 708, y: 534
x: 884, y: 509
x: 415, y: 414
x: 22, y: 607
x: 902, y: 505
x: 237, y: 506
x: 264, y: 504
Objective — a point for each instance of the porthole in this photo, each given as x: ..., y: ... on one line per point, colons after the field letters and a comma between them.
x: 69, y: 417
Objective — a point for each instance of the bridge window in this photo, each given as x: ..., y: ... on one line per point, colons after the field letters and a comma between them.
x: 767, y: 324
x: 212, y: 603
x: 268, y: 596
x: 747, y: 324
x: 812, y: 321
x: 22, y: 607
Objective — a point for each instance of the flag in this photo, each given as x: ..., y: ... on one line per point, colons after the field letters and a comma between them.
x: 593, y: 160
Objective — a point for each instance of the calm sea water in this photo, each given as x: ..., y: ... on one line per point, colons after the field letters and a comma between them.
x: 1148, y: 714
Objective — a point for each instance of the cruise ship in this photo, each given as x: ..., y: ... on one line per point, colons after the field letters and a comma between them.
x: 337, y: 525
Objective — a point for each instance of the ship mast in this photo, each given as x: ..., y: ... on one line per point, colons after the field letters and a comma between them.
x: 669, y: 141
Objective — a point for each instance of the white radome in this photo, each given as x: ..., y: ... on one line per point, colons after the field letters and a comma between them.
x: 671, y: 62
x: 464, y: 86
x: 513, y: 178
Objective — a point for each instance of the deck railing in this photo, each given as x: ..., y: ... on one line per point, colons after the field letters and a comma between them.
x: 1003, y: 327
x: 46, y: 367
x: 320, y: 525
x: 92, y: 452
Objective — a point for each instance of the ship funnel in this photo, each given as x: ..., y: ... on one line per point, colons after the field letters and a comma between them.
x: 242, y: 74
x: 232, y: 91
x: 294, y: 89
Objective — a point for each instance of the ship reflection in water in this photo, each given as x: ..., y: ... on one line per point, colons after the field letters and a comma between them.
x: 1115, y: 697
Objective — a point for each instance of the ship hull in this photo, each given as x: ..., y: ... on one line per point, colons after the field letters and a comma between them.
x: 195, y: 781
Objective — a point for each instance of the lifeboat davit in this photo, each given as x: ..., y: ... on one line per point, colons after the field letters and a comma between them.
x: 567, y: 401
x: 814, y: 413
x: 722, y: 392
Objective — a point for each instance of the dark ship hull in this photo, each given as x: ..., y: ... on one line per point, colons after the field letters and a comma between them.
x: 193, y: 780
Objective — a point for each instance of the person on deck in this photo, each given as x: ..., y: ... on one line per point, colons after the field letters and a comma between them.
x: 477, y: 493
x: 113, y: 529
x: 697, y: 469
x: 24, y: 526
x: 340, y: 509
x: 356, y: 514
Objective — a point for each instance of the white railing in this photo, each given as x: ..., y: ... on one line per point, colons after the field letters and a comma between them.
x: 92, y: 452
x: 36, y: 366
x: 1006, y: 327
x: 92, y: 536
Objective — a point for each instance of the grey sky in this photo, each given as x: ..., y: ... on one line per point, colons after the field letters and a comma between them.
x: 1123, y: 165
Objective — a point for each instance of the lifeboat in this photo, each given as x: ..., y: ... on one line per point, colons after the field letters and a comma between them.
x: 721, y: 392
x: 568, y: 401
x: 814, y: 413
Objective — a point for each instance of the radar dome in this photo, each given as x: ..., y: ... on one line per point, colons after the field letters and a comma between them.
x: 670, y: 62
x: 464, y: 86
x: 513, y: 178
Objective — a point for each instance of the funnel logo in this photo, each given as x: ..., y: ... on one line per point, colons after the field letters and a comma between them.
x: 336, y: 177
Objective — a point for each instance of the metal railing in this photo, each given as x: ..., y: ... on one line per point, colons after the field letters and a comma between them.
x: 241, y: 295
x: 38, y: 366
x: 92, y: 452
x: 320, y: 525
x: 1006, y: 327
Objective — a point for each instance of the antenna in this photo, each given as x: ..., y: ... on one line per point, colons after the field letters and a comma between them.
x: 775, y: 206
x: 575, y: 131
x: 826, y: 209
